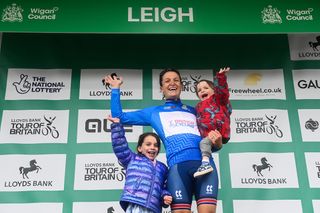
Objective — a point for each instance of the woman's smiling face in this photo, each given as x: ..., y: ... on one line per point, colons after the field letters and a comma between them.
x: 171, y: 85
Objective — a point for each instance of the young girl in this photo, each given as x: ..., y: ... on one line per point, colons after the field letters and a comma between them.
x: 213, y: 113
x: 144, y: 189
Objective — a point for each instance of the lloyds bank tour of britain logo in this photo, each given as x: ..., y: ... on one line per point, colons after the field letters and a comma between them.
x: 35, y: 126
x: 14, y: 13
x: 260, y: 125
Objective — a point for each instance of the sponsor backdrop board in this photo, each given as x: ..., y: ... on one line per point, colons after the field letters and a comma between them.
x: 55, y: 147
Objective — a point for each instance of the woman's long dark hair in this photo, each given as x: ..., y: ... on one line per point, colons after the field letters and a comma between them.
x: 168, y: 70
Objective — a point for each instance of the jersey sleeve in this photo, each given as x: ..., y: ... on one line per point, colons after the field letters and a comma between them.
x: 138, y: 117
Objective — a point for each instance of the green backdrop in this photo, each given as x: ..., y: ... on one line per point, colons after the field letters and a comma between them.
x: 78, y: 51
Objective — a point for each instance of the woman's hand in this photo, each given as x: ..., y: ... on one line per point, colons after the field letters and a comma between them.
x: 114, y: 82
x: 113, y: 120
x: 215, y: 138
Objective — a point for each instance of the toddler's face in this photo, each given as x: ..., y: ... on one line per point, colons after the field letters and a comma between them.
x: 204, y: 91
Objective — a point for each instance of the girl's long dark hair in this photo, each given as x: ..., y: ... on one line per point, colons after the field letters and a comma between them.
x: 144, y: 135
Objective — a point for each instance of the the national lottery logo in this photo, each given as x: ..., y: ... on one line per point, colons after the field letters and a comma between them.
x: 264, y: 165
x: 37, y: 84
x: 271, y: 15
x: 22, y: 86
x: 12, y: 13
x: 33, y: 167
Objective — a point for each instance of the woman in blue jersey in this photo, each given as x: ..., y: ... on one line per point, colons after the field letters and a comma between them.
x: 176, y: 125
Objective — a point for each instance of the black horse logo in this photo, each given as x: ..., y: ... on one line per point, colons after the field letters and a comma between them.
x: 314, y: 45
x: 259, y: 168
x: 33, y: 167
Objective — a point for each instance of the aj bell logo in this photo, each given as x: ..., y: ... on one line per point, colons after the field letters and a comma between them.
x: 259, y: 168
x: 12, y: 13
x: 33, y: 167
x: 23, y: 86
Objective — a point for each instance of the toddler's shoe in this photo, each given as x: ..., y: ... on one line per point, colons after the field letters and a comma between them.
x: 203, y: 169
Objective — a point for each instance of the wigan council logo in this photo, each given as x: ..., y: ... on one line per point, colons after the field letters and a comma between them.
x: 271, y: 15
x: 12, y: 13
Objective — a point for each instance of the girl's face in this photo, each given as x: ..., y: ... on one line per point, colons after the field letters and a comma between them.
x: 149, y: 147
x: 204, y: 91
x: 171, y: 85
